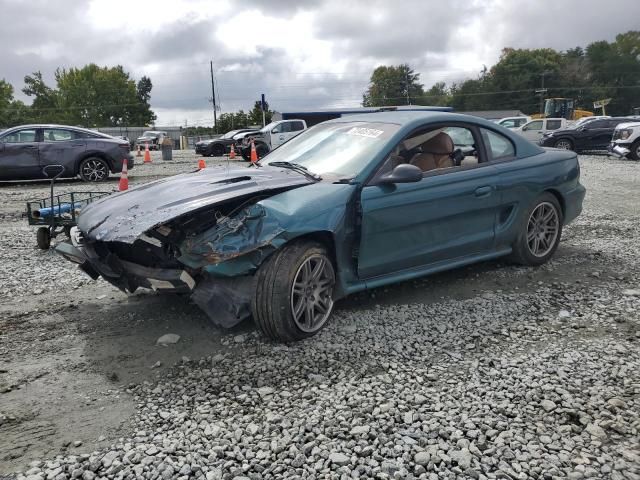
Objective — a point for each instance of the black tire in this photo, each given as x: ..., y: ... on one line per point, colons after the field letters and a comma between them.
x: 217, y: 150
x: 274, y: 298
x: 261, y: 150
x: 531, y: 230
x: 93, y: 169
x: 635, y: 150
x: 246, y: 154
x: 564, y: 144
x: 43, y: 237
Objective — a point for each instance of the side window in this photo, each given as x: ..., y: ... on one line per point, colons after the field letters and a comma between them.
x: 535, y: 125
x: 520, y: 122
x: 57, y: 135
x: 498, y: 146
x: 509, y: 123
x: 597, y: 124
x: 297, y: 126
x: 21, y: 136
x: 285, y: 127
x: 554, y: 124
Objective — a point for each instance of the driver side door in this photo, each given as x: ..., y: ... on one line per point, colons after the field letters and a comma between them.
x: 448, y: 215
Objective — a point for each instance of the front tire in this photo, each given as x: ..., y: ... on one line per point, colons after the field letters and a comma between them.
x: 540, y: 232
x: 43, y: 238
x: 635, y: 150
x: 294, y: 292
x: 93, y: 169
x: 217, y: 150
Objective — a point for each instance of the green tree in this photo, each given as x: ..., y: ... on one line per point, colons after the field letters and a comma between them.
x: 437, y: 95
x: 44, y: 107
x: 142, y: 114
x: 393, y: 85
x: 90, y: 96
x: 255, y: 114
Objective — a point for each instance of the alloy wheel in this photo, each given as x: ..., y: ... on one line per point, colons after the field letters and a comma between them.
x: 542, y: 229
x: 94, y: 170
x: 563, y: 144
x: 312, y: 293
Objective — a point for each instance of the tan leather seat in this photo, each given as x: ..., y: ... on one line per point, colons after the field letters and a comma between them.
x: 436, y: 153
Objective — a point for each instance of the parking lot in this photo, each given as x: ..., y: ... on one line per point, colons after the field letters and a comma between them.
x: 488, y: 371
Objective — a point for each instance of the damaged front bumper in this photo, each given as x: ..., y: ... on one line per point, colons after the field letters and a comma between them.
x: 226, y: 301
x: 619, y: 150
x: 127, y: 276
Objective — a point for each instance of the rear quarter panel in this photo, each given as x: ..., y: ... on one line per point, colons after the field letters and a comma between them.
x: 522, y: 181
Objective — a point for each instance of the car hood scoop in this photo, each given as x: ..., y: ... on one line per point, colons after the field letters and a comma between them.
x: 123, y: 217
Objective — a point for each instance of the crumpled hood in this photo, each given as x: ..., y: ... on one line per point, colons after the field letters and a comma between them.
x: 124, y: 216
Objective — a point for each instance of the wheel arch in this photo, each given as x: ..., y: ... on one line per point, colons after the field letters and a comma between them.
x: 559, y: 197
x: 97, y: 154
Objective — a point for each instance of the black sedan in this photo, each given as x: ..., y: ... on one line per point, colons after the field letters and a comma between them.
x: 593, y: 135
x: 217, y: 147
x: 26, y: 150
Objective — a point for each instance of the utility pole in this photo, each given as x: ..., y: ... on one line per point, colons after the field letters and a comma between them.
x: 541, y: 91
x: 213, y: 100
x: 407, y: 79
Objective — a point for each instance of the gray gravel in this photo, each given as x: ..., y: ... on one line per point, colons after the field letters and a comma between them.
x: 505, y: 372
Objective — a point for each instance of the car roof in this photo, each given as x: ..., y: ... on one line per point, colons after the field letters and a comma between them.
x: 54, y: 125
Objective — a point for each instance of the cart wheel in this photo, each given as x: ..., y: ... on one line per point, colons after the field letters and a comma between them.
x: 44, y: 238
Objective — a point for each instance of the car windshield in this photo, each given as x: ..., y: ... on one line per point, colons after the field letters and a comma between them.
x: 341, y: 149
x: 230, y: 134
x: 268, y: 127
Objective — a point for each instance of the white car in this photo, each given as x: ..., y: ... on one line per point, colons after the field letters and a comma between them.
x: 625, y: 141
x: 513, y: 122
x: 271, y: 136
x: 535, y: 129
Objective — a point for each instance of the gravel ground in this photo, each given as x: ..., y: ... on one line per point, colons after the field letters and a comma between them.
x: 489, y: 371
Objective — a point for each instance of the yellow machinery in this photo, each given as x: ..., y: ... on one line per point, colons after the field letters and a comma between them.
x: 562, y: 108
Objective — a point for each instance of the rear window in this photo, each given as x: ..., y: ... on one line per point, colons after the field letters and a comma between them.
x: 554, y: 124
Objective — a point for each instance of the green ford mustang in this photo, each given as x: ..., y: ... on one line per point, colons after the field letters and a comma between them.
x: 350, y: 204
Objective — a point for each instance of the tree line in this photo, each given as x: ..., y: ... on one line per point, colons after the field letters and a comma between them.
x: 600, y: 70
x: 90, y: 96
x: 235, y: 120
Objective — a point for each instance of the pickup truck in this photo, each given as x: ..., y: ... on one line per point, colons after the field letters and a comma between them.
x: 535, y: 129
x: 626, y: 140
x: 271, y: 136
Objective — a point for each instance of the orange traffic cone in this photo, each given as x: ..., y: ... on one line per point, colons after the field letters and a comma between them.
x: 201, y: 164
x: 147, y: 155
x: 254, y: 153
x: 232, y: 153
x: 139, y: 152
x: 124, y: 179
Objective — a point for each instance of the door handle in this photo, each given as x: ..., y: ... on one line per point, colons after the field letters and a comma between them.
x: 484, y: 191
x: 77, y: 144
x: 33, y: 147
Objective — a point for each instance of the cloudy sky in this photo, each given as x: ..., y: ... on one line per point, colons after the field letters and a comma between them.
x: 302, y: 54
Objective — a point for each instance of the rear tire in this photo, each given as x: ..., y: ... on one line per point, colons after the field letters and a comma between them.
x: 564, y: 144
x: 293, y: 296
x: 93, y: 169
x: 43, y: 237
x: 540, y: 232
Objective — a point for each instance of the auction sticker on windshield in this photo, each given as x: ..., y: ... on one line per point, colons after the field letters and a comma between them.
x: 365, y: 132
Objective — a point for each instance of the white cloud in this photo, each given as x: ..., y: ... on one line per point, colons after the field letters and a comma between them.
x: 303, y: 54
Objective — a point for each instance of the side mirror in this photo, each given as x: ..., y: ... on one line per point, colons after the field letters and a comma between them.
x: 275, y: 130
x: 525, y: 128
x: 403, y: 173
x: 457, y: 156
